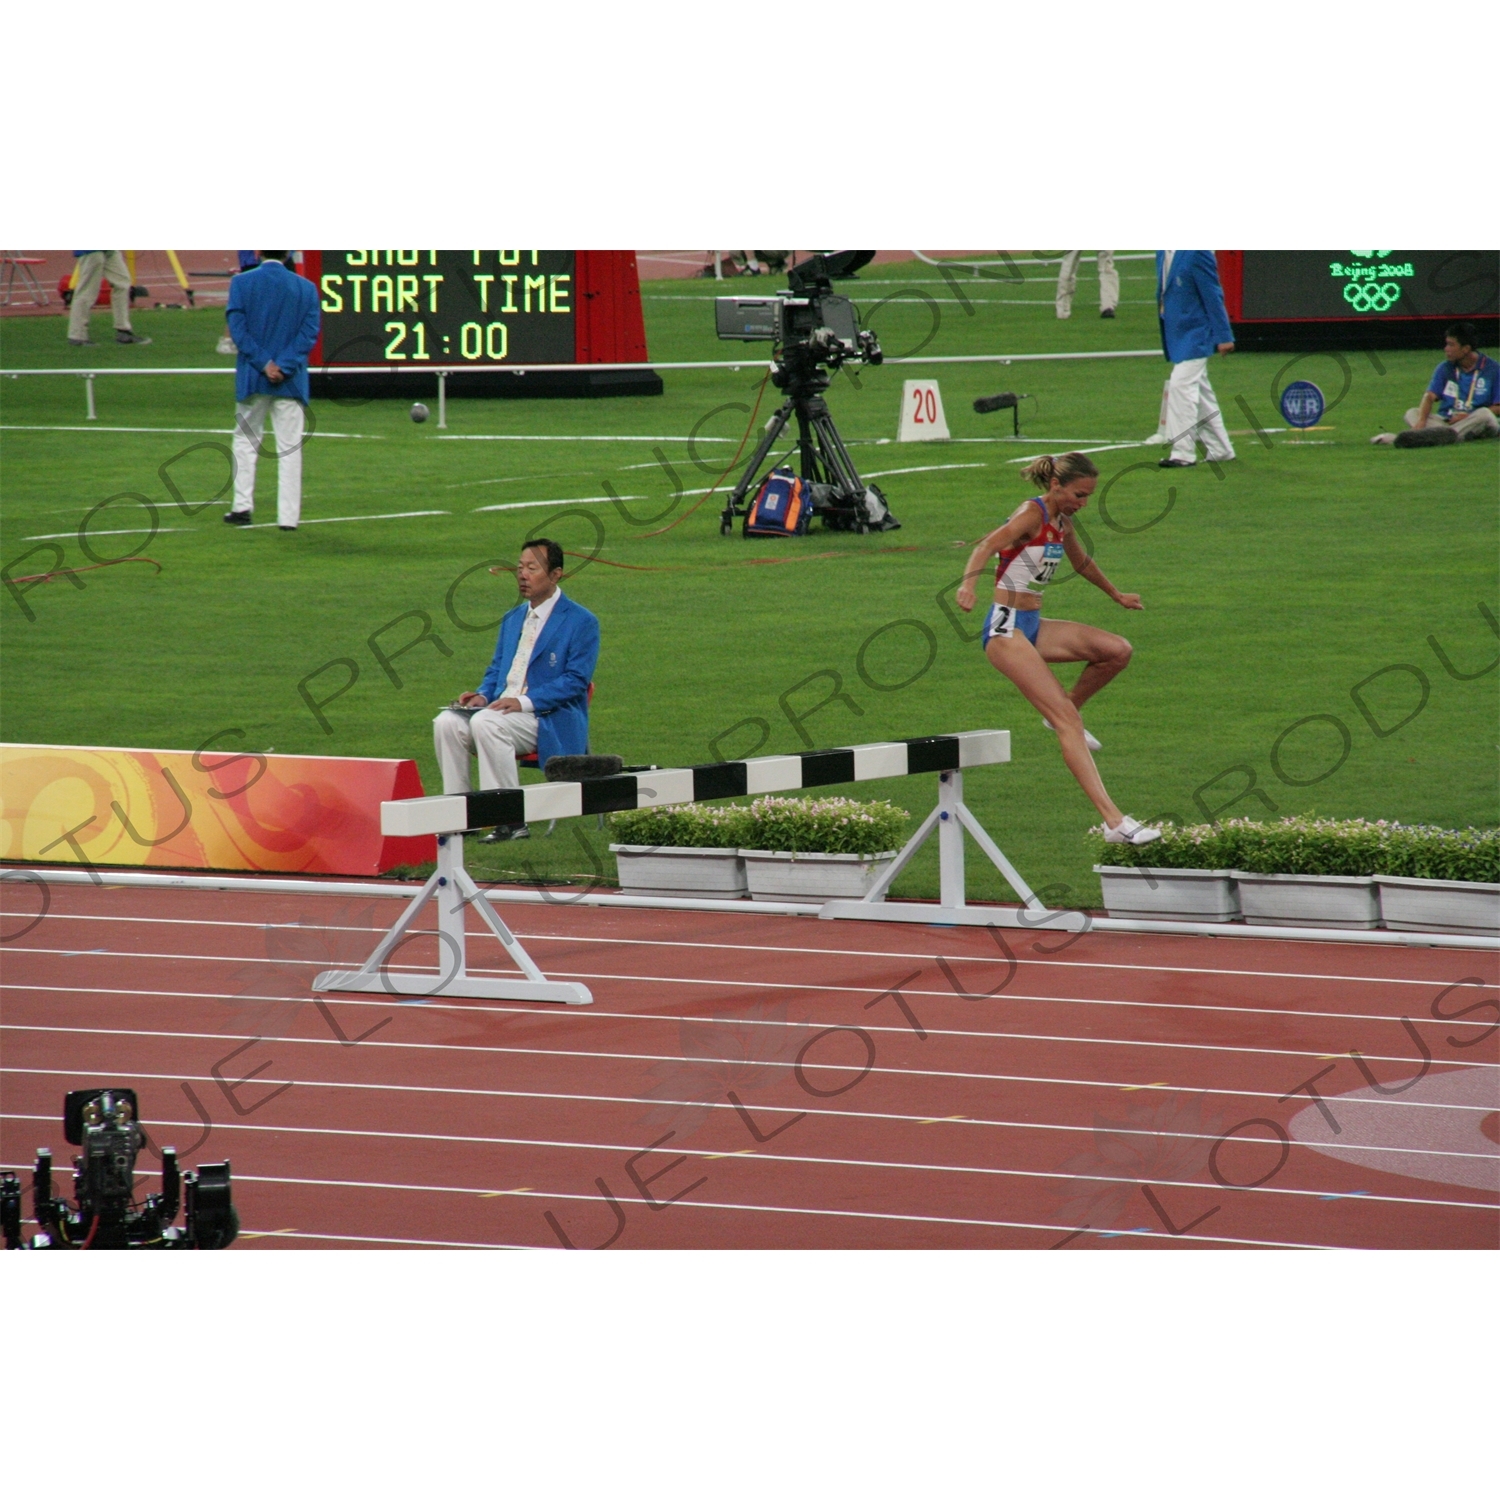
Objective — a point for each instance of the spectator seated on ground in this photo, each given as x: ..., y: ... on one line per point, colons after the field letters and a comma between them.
x: 1462, y: 401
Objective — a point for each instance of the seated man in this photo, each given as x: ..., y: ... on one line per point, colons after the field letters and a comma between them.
x: 535, y: 695
x: 1465, y: 388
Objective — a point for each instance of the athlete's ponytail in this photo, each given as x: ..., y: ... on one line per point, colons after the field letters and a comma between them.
x: 1046, y: 471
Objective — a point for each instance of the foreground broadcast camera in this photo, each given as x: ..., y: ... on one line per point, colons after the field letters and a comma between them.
x: 104, y: 1123
x: 811, y: 329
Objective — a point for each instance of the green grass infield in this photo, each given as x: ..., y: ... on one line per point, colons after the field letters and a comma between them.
x: 1319, y: 634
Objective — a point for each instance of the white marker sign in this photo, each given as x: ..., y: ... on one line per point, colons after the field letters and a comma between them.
x: 922, y: 418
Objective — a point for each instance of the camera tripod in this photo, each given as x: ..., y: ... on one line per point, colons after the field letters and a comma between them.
x: 835, y: 490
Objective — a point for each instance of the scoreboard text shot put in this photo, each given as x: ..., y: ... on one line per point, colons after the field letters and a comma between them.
x: 1321, y: 299
x: 482, y: 316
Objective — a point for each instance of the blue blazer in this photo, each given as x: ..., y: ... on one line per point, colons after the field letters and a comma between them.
x: 557, y: 677
x: 1191, y: 307
x: 272, y: 314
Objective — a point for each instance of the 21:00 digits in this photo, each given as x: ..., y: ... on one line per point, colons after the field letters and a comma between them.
x: 475, y: 341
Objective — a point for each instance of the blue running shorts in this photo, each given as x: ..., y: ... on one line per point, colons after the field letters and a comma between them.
x: 1004, y: 621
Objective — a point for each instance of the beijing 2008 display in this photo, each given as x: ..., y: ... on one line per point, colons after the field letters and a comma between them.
x: 446, y: 307
x: 1326, y: 284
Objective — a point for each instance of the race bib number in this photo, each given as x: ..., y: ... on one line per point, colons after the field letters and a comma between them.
x: 1051, y: 555
x: 1002, y: 622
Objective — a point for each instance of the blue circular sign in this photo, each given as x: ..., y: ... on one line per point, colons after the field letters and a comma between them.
x: 1302, y: 404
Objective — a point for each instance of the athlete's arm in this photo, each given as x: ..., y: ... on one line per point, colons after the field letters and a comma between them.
x: 1087, y: 568
x: 1025, y: 523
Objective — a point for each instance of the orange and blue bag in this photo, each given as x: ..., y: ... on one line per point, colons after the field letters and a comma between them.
x: 780, y: 506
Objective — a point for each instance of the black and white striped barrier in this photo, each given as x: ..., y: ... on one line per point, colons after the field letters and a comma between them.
x: 449, y: 817
x: 725, y: 778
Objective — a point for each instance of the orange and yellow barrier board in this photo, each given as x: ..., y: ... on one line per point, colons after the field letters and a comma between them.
x: 212, y: 809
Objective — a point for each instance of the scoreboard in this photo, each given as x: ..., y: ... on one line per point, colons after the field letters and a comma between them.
x: 480, y: 316
x: 1410, y: 292
x: 448, y: 307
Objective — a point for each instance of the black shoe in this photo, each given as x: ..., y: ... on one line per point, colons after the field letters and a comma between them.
x: 287, y: 528
x: 1106, y: 312
x: 1176, y: 463
x: 237, y: 517
x: 126, y: 336
x: 82, y: 343
x: 506, y: 832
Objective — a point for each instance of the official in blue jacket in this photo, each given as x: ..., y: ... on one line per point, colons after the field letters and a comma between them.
x: 273, y: 319
x: 535, y: 695
x: 1194, y: 325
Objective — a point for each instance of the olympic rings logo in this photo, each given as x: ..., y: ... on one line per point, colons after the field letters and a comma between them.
x: 1371, y: 296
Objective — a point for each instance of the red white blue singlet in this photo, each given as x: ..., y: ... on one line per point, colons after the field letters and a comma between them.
x: 1028, y: 567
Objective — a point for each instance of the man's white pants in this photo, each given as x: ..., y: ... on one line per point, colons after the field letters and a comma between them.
x: 288, y: 422
x: 496, y: 738
x: 1193, y: 414
x: 1067, y: 282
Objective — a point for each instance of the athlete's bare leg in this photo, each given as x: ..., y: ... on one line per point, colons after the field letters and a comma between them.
x: 1019, y: 660
x: 1106, y: 653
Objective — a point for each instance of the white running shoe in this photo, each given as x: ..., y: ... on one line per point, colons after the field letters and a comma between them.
x: 226, y: 345
x: 1128, y: 831
x: 1088, y: 739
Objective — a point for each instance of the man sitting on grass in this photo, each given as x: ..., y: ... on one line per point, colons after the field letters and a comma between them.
x: 1465, y: 389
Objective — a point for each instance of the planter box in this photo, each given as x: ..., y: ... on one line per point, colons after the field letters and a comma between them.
x: 1308, y: 900
x: 645, y: 870
x: 775, y: 875
x: 1461, y: 906
x: 1169, y: 895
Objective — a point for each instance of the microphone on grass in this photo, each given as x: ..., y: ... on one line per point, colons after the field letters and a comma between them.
x: 582, y: 767
x: 1002, y: 402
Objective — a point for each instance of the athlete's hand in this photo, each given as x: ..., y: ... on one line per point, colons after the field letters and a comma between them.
x: 965, y: 597
x: 1131, y: 601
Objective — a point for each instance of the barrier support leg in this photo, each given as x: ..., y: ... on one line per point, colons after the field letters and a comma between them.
x: 442, y: 400
x: 950, y: 818
x: 452, y: 888
x: 88, y: 385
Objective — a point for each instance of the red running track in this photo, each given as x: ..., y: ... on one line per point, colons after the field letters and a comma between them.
x: 751, y: 1081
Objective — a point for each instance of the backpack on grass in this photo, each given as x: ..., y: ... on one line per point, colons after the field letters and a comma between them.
x: 780, y: 507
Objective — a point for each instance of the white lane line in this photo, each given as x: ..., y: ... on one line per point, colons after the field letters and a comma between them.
x: 742, y: 985
x: 976, y: 958
x: 395, y: 515
x: 839, y: 1213
x: 52, y: 536
x: 578, y: 1052
x: 575, y: 437
x: 921, y: 469
x: 360, y: 1239
x: 832, y: 1161
x: 1150, y: 442
x: 538, y: 504
x: 374, y: 437
x: 735, y: 982
x: 1113, y: 1085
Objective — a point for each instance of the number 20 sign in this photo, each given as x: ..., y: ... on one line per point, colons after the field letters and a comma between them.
x: 922, y: 418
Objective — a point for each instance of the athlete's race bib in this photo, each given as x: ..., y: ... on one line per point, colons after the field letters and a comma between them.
x: 1051, y: 555
x: 1002, y: 622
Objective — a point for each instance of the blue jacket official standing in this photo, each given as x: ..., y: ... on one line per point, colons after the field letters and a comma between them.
x: 1194, y: 325
x: 273, y: 319
x: 535, y: 695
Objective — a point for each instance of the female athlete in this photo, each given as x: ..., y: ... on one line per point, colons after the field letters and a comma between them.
x: 1020, y: 643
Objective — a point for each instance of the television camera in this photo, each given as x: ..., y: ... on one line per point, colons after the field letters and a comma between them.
x: 814, y: 332
x: 105, y: 1123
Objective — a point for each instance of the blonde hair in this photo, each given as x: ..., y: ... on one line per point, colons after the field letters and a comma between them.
x: 1047, y: 470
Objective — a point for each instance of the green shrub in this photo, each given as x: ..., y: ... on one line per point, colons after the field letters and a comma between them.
x: 1316, y: 846
x: 803, y: 825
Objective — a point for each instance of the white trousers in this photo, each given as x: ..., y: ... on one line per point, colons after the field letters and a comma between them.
x: 496, y: 738
x: 1193, y: 414
x: 288, y: 421
x: 92, y: 269
x: 1067, y: 282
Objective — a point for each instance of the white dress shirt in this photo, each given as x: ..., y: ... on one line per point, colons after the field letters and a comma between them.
x: 536, y: 617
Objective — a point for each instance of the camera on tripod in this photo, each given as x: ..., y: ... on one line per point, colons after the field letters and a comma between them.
x: 814, y: 333
x: 105, y: 1123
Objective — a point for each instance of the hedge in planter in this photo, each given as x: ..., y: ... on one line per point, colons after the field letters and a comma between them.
x: 802, y: 825
x: 1316, y: 846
